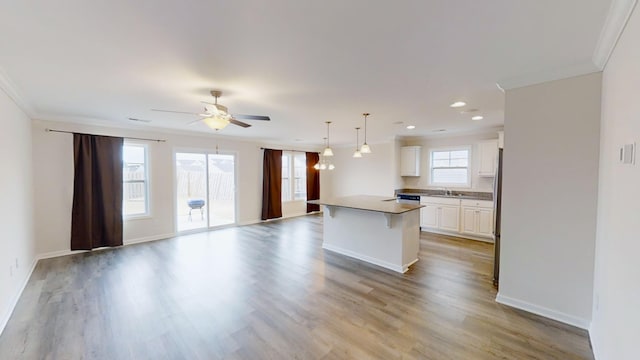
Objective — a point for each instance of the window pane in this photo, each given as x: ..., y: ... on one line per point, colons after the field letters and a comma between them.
x: 449, y: 176
x: 439, y: 155
x: 459, y: 162
x: 286, y: 174
x: 134, y: 175
x: 460, y: 154
x: 300, y: 175
x: 440, y: 163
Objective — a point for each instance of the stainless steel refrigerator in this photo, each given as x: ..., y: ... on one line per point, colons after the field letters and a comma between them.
x: 497, y: 209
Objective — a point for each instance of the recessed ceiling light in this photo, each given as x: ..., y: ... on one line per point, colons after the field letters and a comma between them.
x: 458, y: 104
x: 477, y: 117
x: 411, y: 127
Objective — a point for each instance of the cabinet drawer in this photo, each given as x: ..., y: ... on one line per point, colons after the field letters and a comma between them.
x: 439, y: 200
x: 478, y: 203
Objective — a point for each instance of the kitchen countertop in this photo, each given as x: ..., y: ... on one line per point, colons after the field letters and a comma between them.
x: 370, y: 203
x: 466, y: 195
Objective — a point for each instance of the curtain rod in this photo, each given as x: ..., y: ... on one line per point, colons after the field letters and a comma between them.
x: 125, y: 137
x: 264, y: 148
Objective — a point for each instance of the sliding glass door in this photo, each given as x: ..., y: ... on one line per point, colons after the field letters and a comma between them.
x: 205, y: 190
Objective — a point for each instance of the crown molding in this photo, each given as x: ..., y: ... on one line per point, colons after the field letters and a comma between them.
x: 582, y: 68
x: 11, y: 90
x: 617, y: 18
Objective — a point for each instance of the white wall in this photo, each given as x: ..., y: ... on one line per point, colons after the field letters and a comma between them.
x: 373, y: 174
x: 16, y: 205
x: 552, y: 135
x: 53, y: 166
x: 478, y: 183
x: 615, y: 329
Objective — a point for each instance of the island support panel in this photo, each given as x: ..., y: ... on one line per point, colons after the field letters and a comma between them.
x: 369, y: 236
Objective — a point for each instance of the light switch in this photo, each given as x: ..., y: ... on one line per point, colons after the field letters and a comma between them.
x: 627, y: 153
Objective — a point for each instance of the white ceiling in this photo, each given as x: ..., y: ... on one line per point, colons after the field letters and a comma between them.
x: 300, y: 62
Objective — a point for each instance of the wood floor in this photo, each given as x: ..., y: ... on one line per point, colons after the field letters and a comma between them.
x: 269, y: 291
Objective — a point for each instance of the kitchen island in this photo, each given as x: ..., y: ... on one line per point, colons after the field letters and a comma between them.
x: 378, y: 230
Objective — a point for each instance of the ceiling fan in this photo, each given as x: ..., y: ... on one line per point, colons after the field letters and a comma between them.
x: 217, y: 116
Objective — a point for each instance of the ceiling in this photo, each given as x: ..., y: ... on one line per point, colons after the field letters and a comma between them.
x: 300, y: 62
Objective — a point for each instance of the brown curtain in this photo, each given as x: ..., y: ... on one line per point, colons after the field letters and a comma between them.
x: 96, y: 217
x: 313, y: 181
x: 272, y: 184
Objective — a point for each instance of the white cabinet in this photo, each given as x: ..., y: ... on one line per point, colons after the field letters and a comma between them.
x: 488, y: 156
x: 410, y: 160
x: 429, y: 215
x: 440, y: 214
x: 477, y: 218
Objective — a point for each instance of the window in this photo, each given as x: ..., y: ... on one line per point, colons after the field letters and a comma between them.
x: 294, y: 176
x: 134, y: 178
x: 450, y: 167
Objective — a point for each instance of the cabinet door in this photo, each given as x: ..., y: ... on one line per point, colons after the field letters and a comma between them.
x: 410, y: 161
x: 429, y: 216
x: 485, y: 222
x: 488, y: 157
x: 449, y: 218
x: 469, y: 220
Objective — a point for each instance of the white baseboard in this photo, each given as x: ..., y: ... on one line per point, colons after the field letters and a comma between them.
x: 148, y: 238
x: 384, y: 264
x: 458, y: 234
x: 543, y: 311
x: 249, y: 222
x: 54, y: 254
x: 14, y: 301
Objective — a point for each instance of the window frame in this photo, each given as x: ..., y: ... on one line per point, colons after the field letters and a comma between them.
x: 146, y: 182
x: 292, y: 177
x: 468, y: 183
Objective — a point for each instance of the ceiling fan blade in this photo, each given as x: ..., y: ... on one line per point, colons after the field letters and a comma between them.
x: 177, y: 112
x: 252, y: 117
x: 194, y: 121
x: 239, y: 123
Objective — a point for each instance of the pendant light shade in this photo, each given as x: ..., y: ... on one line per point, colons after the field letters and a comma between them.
x: 365, y: 149
x: 327, y: 151
x: 357, y: 153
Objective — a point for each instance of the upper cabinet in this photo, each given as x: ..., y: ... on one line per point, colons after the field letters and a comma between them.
x: 488, y: 154
x: 410, y: 160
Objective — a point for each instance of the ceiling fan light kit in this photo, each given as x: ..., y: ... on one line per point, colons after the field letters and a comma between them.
x: 216, y: 122
x: 217, y: 116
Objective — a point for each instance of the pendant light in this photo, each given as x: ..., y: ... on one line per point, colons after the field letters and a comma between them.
x: 365, y: 149
x: 327, y: 151
x: 357, y: 153
x: 322, y: 163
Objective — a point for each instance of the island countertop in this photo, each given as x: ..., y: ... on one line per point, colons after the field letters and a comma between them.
x: 370, y: 203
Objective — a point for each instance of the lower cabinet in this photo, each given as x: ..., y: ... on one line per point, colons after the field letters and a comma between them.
x: 440, y: 213
x: 477, y: 218
x: 466, y: 218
